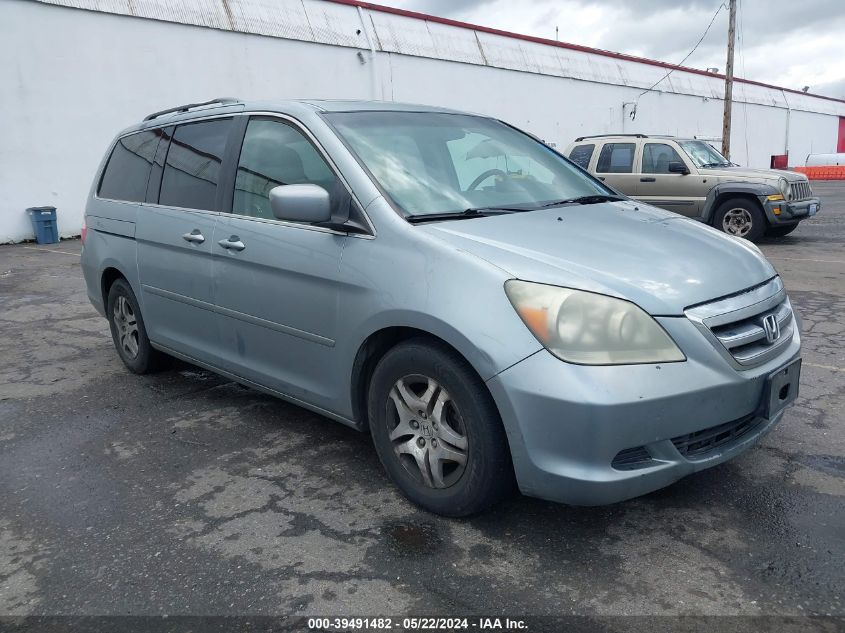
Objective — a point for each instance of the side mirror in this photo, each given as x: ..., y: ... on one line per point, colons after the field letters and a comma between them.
x: 678, y: 168
x: 300, y: 203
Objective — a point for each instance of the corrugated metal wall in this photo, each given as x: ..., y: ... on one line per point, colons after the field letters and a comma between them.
x: 325, y: 22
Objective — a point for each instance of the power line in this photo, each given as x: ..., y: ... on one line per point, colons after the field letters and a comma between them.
x: 694, y: 48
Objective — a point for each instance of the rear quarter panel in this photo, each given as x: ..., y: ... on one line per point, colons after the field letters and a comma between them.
x: 110, y: 242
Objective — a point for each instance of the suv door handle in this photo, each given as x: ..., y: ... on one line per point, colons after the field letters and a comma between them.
x: 195, y: 237
x: 232, y: 244
x: 648, y: 179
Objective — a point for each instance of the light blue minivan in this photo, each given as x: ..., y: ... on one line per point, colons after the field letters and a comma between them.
x: 491, y: 313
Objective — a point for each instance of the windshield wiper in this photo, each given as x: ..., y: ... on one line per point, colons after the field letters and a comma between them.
x: 467, y: 214
x: 707, y: 165
x: 593, y: 199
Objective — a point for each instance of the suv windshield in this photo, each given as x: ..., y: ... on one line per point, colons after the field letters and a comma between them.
x: 439, y: 163
x: 703, y: 154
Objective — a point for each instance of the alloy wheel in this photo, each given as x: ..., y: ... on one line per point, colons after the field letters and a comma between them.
x: 127, y: 326
x: 427, y: 432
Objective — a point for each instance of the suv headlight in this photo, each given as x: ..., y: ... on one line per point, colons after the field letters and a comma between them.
x: 590, y: 329
x: 783, y: 185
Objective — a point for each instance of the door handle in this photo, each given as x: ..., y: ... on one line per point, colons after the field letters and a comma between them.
x: 195, y: 237
x: 648, y: 179
x: 232, y: 244
x: 601, y: 178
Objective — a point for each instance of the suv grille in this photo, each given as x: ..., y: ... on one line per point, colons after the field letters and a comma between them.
x: 800, y: 190
x: 751, y: 327
x: 700, y: 443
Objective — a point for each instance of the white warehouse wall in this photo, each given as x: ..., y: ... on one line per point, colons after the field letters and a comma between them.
x: 73, y: 78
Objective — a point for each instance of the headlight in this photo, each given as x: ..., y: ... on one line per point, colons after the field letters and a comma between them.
x: 783, y: 185
x: 590, y: 329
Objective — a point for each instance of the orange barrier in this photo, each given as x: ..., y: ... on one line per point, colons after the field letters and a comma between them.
x: 832, y: 172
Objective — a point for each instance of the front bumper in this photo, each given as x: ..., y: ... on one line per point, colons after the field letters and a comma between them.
x: 566, y: 423
x: 781, y: 212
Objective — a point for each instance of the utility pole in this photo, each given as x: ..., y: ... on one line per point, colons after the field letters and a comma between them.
x: 729, y: 83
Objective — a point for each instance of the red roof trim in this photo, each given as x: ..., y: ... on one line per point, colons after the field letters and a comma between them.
x: 574, y: 47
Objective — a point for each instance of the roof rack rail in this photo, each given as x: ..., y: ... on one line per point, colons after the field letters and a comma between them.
x: 191, y: 106
x: 581, y: 138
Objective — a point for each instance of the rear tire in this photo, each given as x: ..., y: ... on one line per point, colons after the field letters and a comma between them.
x: 741, y: 217
x: 437, y: 430
x: 128, y: 332
x: 781, y: 231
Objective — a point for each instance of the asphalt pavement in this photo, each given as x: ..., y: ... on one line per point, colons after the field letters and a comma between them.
x: 184, y: 493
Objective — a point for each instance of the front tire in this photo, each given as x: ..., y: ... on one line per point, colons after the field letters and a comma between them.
x: 129, y: 333
x: 741, y: 217
x: 437, y: 431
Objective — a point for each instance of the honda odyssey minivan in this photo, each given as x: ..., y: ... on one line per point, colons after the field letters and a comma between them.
x: 489, y: 312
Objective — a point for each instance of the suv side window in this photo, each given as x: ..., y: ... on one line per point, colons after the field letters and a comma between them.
x: 657, y: 156
x: 616, y: 158
x: 128, y: 169
x: 581, y: 155
x: 274, y: 153
x: 192, y: 168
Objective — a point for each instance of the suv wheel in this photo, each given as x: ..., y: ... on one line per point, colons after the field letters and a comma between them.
x: 437, y: 431
x: 741, y: 217
x: 128, y: 331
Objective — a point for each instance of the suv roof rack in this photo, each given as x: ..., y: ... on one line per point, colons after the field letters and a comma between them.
x: 190, y: 106
x: 582, y: 138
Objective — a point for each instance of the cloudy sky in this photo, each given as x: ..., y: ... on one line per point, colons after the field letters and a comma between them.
x: 790, y: 43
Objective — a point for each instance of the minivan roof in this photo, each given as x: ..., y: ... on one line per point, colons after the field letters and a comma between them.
x: 226, y: 105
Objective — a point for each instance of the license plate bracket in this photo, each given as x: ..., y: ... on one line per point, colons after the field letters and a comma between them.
x: 781, y: 388
x: 812, y: 209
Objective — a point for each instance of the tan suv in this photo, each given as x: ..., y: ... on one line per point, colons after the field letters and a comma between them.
x: 689, y: 177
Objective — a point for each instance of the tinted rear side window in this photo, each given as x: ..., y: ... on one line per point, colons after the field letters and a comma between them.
x: 157, y: 170
x: 616, y: 158
x: 581, y: 155
x: 128, y: 170
x: 192, y: 168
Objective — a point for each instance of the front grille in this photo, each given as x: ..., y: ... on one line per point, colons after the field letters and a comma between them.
x: 632, y: 459
x: 800, y: 190
x: 700, y: 443
x: 746, y: 339
x: 738, y: 326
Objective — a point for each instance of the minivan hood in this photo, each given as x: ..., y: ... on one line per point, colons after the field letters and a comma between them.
x: 661, y: 261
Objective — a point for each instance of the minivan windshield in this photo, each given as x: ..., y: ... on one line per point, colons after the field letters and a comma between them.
x: 703, y: 154
x: 431, y: 163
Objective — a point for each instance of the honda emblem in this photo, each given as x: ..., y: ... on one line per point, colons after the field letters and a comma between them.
x: 772, y: 328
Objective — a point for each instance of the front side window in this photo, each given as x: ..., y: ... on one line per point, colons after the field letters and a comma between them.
x: 273, y: 154
x: 128, y: 170
x: 657, y: 156
x: 431, y: 162
x: 581, y: 155
x: 616, y: 158
x: 703, y: 154
x: 192, y: 168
